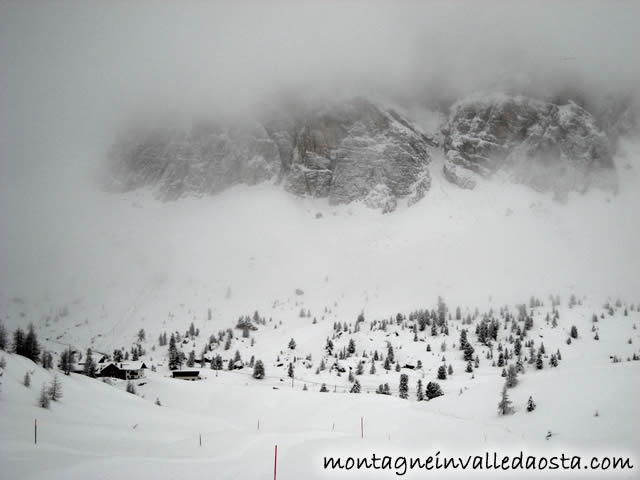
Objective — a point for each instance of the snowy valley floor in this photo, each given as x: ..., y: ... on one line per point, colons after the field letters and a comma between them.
x: 99, y: 431
x: 121, y: 263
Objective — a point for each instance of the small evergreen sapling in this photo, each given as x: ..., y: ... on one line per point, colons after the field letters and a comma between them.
x: 504, y: 406
x: 531, y: 405
x: 356, y: 387
x: 43, y: 399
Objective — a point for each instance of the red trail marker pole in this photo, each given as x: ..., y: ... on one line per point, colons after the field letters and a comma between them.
x: 275, y: 463
x: 35, y: 431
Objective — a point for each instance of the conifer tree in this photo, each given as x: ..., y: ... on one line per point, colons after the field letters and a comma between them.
x: 55, y: 389
x: 292, y: 344
x: 512, y: 377
x: 531, y: 406
x: 191, y: 360
x: 574, y: 332
x: 433, y: 390
x: 323, y: 388
x: 351, y: 349
x: 89, y: 368
x: 175, y: 361
x: 18, y: 341
x: 258, y: 370
x: 356, y: 387
x: 3, y: 337
x: 27, y: 379
x: 65, y: 363
x: 290, y: 370
x: 419, y: 391
x: 468, y: 352
x: 442, y: 372
x: 504, y: 406
x: 31, y: 345
x: 404, y: 386
x: 539, y: 362
x: 43, y: 399
x: 387, y: 364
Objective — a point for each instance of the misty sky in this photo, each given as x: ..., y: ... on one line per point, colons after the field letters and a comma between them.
x: 73, y: 72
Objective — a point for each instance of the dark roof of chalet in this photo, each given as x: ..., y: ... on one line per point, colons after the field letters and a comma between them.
x: 185, y: 373
x: 127, y: 365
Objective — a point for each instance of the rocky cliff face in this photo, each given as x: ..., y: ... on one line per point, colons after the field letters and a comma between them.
x: 540, y: 144
x: 350, y: 151
x: 359, y: 151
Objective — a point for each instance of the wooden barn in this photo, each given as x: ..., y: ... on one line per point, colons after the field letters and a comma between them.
x: 123, y: 370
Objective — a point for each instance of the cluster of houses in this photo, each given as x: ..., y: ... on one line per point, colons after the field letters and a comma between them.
x: 131, y: 370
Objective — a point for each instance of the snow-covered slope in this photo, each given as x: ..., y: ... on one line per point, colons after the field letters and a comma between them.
x: 117, y: 263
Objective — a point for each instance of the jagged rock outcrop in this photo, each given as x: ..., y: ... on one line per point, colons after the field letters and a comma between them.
x: 348, y: 151
x: 204, y: 159
x: 546, y: 146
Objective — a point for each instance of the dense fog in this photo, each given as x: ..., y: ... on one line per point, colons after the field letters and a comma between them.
x: 74, y: 73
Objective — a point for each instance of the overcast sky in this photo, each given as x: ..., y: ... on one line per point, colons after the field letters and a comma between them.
x: 70, y: 71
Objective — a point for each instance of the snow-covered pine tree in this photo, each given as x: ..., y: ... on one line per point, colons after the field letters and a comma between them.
x: 539, y: 362
x: 419, y: 391
x: 351, y: 349
x: 258, y: 370
x: 174, y: 357
x: 512, y: 377
x: 433, y: 390
x: 442, y: 372
x: 531, y: 405
x: 403, y: 388
x: 468, y: 352
x: 356, y: 387
x: 89, y: 368
x: 191, y: 360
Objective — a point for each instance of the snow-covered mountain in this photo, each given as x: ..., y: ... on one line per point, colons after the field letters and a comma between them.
x: 346, y: 151
x: 357, y: 150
